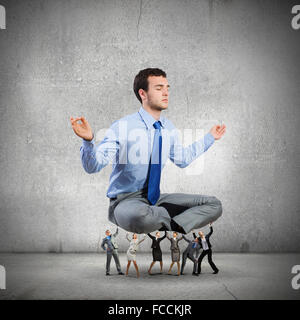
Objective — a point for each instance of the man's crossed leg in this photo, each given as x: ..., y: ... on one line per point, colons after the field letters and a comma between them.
x: 173, y: 211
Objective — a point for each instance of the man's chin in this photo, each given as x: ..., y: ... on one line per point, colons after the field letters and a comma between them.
x: 162, y: 107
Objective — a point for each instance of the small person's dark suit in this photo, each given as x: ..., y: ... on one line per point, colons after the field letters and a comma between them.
x: 156, y: 251
x: 207, y: 252
x: 189, y: 252
x: 111, y: 251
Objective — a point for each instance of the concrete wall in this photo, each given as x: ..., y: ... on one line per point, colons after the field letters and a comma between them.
x: 235, y: 61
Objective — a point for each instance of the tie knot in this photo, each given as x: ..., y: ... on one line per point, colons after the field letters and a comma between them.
x: 157, y: 125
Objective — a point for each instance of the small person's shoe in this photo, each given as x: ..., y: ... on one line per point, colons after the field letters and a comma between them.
x: 195, y: 274
x: 121, y: 273
x: 215, y: 272
x: 107, y: 273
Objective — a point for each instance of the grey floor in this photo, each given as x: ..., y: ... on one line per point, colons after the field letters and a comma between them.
x: 82, y: 276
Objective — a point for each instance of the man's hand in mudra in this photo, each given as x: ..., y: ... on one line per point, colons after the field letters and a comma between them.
x: 218, y: 131
x: 83, y: 129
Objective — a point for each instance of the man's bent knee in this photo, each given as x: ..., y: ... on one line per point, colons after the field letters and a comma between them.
x: 136, y: 221
x: 218, y: 208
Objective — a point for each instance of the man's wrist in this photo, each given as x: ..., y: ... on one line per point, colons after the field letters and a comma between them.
x: 91, y: 139
x: 210, y: 136
x: 209, y: 140
x: 88, y: 143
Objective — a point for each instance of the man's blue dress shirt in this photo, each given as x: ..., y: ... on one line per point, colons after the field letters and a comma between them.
x: 127, y: 145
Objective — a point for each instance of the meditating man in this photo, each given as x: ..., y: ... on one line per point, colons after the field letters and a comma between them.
x: 138, y: 146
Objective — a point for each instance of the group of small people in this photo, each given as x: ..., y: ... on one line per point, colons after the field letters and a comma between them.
x: 192, y: 251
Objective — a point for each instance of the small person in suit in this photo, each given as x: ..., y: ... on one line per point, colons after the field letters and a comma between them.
x: 156, y: 250
x: 131, y: 252
x: 189, y: 252
x: 206, y: 246
x: 175, y: 251
x: 111, y: 250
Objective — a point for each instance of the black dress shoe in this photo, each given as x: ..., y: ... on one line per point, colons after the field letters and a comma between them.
x: 107, y: 273
x: 163, y: 228
x: 121, y: 273
x: 181, y: 273
x: 173, y: 209
x: 215, y: 272
x: 195, y: 274
x: 176, y: 227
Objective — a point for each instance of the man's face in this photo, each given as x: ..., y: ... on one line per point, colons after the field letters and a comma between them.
x: 157, y: 234
x: 174, y: 234
x: 157, y: 96
x: 201, y: 234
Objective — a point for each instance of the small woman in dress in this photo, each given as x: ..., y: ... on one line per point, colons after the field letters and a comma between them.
x: 175, y: 252
x: 131, y: 252
x: 156, y: 251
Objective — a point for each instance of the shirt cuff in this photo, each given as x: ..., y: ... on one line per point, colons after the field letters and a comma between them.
x: 209, y: 139
x: 87, y: 144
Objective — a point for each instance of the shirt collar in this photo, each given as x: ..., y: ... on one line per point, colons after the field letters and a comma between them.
x: 149, y: 120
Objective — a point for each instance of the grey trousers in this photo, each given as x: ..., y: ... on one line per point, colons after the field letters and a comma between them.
x: 109, y: 254
x: 186, y: 255
x: 133, y: 212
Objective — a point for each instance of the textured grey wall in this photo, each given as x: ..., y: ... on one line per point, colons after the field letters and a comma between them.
x: 235, y: 61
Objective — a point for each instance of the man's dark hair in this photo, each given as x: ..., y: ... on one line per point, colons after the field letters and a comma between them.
x: 141, y: 80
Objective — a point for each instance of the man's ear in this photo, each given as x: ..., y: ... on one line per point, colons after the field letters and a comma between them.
x: 142, y: 93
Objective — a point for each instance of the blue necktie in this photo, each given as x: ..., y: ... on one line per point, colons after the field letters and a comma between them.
x: 155, y: 166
